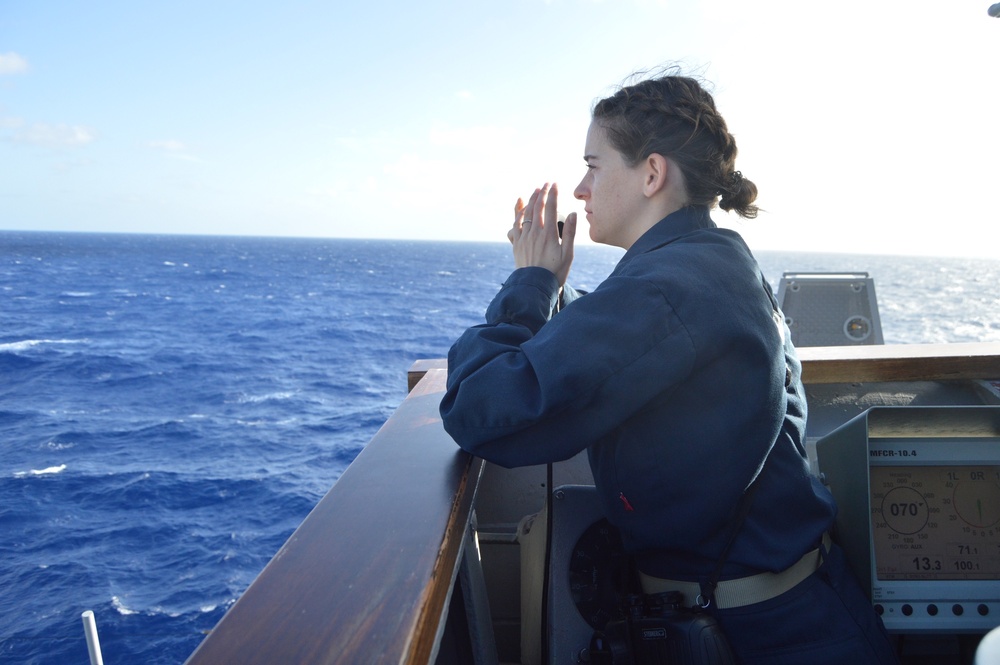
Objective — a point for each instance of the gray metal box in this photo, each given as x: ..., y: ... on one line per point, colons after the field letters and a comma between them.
x: 830, y: 309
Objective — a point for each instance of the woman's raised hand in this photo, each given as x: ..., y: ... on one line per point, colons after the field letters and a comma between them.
x: 535, y: 234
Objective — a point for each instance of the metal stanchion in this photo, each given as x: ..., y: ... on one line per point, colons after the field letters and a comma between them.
x: 93, y: 644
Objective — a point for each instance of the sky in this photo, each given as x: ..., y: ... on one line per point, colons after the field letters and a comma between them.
x: 869, y: 126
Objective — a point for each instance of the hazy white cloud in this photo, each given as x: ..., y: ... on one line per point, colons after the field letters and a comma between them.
x: 169, y: 145
x: 488, y: 139
x: 54, y: 136
x: 345, y: 189
x: 173, y: 148
x: 382, y: 140
x: 68, y: 165
x: 459, y: 180
x: 12, y: 63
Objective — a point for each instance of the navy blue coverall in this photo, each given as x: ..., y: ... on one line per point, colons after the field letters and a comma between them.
x: 673, y: 374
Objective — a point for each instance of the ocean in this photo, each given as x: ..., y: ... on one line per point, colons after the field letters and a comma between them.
x: 171, y: 407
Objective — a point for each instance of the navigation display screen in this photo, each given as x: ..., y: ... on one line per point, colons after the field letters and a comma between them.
x: 936, y: 522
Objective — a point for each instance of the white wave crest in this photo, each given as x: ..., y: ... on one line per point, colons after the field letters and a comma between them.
x: 56, y: 445
x: 116, y: 602
x: 24, y: 345
x: 49, y: 471
x: 257, y: 399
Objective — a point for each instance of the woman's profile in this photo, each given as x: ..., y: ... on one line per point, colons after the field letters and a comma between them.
x: 677, y: 375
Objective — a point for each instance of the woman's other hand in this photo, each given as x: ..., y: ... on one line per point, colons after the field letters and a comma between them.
x: 535, y: 234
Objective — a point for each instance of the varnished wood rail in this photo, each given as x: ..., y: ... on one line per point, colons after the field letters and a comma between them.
x: 875, y: 363
x: 366, y: 577
x: 900, y: 362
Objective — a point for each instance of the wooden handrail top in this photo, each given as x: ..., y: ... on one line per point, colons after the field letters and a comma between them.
x: 862, y: 364
x: 366, y: 576
x: 900, y: 362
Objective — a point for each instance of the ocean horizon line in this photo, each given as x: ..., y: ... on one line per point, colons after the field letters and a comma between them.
x: 580, y: 245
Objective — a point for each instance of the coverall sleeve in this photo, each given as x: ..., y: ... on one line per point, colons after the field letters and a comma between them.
x: 528, y: 388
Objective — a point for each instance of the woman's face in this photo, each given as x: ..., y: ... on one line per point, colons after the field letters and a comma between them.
x: 611, y: 189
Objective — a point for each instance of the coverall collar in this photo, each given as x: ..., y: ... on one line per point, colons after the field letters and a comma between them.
x: 670, y: 228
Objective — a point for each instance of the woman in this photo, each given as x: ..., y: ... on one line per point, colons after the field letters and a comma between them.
x: 677, y: 375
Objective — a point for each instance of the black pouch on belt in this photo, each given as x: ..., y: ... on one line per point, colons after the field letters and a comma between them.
x: 659, y: 630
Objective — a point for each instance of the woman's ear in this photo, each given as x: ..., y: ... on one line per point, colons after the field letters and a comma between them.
x: 664, y: 180
x: 658, y: 171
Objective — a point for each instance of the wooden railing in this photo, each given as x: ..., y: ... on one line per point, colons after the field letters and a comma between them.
x: 900, y: 362
x: 882, y: 362
x: 366, y: 577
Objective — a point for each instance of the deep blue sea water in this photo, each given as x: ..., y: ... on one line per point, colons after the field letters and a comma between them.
x: 172, y: 407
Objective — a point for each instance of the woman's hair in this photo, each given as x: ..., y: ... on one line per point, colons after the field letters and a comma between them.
x: 674, y: 116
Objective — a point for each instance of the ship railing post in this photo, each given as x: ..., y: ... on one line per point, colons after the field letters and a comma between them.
x: 476, y: 600
x: 93, y: 643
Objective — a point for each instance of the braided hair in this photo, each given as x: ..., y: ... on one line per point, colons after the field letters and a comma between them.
x: 675, y: 117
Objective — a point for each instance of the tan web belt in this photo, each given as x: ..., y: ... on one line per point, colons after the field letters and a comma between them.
x: 744, y: 590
